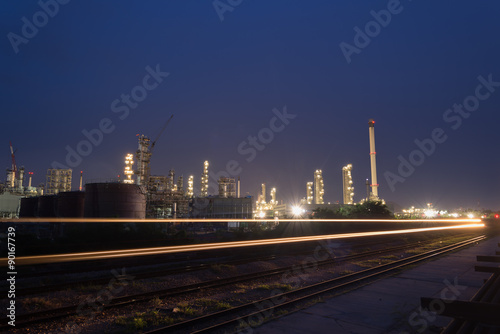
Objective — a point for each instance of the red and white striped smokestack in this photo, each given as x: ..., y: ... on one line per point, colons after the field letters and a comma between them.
x: 373, y: 162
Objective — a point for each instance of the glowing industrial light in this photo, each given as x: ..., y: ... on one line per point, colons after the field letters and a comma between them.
x: 430, y: 213
x: 310, y: 193
x: 497, y: 216
x: 262, y: 214
x: 470, y: 215
x: 129, y: 161
x: 190, y: 189
x: 297, y: 210
x: 204, y: 180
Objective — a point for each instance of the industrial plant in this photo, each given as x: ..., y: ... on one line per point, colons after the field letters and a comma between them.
x: 264, y: 208
x: 138, y: 194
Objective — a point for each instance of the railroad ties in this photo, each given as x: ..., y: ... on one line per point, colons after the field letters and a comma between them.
x: 481, y: 313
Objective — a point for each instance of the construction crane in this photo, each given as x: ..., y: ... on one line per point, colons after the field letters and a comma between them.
x: 13, y: 159
x: 144, y: 153
x: 12, y: 173
x: 161, y: 131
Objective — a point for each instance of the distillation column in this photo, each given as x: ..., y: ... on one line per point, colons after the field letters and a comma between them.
x: 204, y: 180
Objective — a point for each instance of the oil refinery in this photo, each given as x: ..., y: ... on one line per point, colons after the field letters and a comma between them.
x: 138, y: 194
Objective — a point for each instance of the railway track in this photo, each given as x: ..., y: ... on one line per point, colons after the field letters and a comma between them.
x: 243, y: 316
x: 55, y: 314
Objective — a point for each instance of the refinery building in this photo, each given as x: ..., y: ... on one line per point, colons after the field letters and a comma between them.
x: 138, y: 194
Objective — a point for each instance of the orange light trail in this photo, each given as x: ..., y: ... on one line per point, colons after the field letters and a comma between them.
x: 202, y: 220
x: 26, y: 260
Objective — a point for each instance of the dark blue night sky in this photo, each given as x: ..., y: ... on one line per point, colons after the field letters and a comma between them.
x: 225, y: 77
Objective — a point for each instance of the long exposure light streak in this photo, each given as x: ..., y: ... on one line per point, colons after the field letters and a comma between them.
x: 203, y: 220
x: 26, y: 260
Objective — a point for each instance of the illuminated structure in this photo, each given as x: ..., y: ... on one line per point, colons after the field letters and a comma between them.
x: 165, y: 196
x: 273, y: 201
x: 310, y: 193
x: 180, y: 184
x: 263, y: 194
x: 31, y: 191
x: 347, y: 187
x: 190, y: 187
x: 19, y: 180
x: 171, y: 180
x: 373, y: 162
x: 129, y: 161
x: 15, y: 179
x: 319, y: 190
x: 10, y: 179
x: 14, y: 183
x: 165, y: 201
x: 429, y: 212
x: 204, y: 180
x: 143, y: 156
x: 158, y: 184
x: 58, y: 180
x: 227, y: 187
x: 263, y: 208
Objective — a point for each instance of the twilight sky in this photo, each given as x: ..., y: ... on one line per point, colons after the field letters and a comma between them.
x: 266, y: 90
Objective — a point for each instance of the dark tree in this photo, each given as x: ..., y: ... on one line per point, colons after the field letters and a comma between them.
x: 368, y: 209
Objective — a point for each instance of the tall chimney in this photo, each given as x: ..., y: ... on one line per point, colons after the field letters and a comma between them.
x: 263, y: 194
x: 373, y: 162
x: 81, y: 180
x: 239, y: 185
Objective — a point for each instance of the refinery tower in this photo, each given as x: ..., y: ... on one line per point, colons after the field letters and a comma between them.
x: 348, y: 189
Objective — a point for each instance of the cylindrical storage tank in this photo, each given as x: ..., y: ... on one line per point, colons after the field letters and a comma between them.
x: 29, y: 207
x: 70, y: 204
x: 114, y: 200
x: 46, y: 206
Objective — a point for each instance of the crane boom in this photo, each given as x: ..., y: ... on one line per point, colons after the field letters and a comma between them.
x: 161, y: 131
x: 14, y: 168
